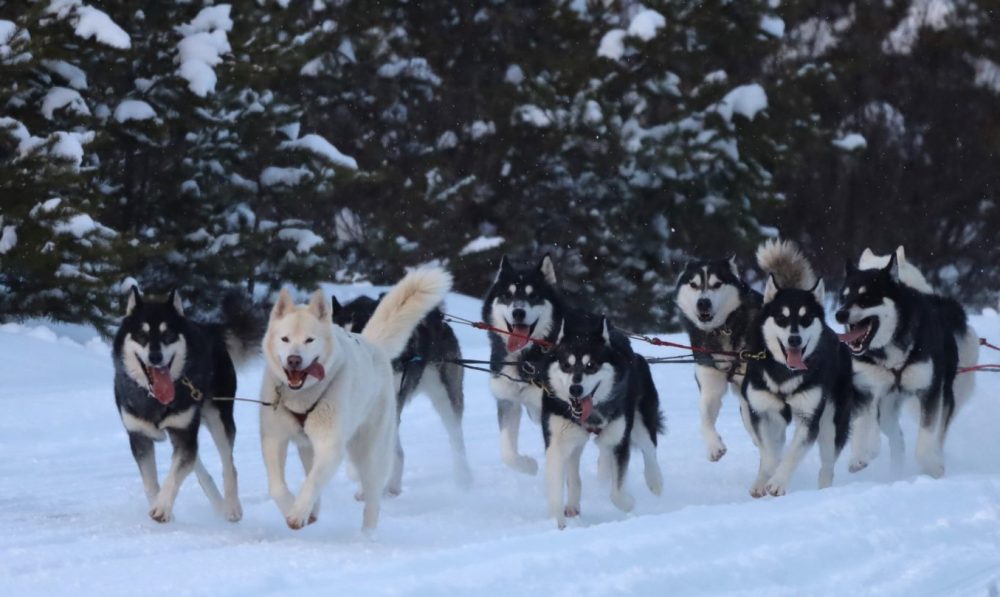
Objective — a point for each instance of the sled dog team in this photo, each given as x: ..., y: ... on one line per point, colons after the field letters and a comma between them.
x: 337, y: 378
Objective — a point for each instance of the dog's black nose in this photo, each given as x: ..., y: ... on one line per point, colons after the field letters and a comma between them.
x: 294, y: 362
x: 795, y: 341
x: 704, y: 305
x: 576, y: 390
x: 155, y: 357
x: 842, y: 316
x: 518, y: 315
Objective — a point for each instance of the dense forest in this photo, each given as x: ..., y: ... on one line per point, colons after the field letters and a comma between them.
x: 259, y: 143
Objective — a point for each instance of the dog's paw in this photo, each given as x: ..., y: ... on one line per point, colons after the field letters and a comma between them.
x: 393, y: 490
x: 933, y: 470
x: 716, y: 450
x: 161, y: 513
x: 757, y: 490
x: 233, y: 511
x: 623, y: 500
x: 560, y: 522
x: 359, y: 496
x: 654, y: 480
x: 572, y: 511
x: 525, y: 464
x: 857, y: 465
x: 295, y: 523
x: 775, y: 487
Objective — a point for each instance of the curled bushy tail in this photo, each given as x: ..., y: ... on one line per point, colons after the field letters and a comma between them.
x: 402, y: 308
x: 242, y: 328
x: 783, y: 260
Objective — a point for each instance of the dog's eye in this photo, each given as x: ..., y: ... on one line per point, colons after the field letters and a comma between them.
x: 308, y: 340
x: 806, y: 321
x: 592, y: 367
x: 284, y: 339
x: 140, y: 337
x: 565, y: 367
x: 694, y: 285
x: 717, y: 286
x: 169, y: 337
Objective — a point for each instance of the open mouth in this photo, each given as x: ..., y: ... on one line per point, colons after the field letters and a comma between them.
x: 795, y: 357
x: 582, y: 407
x: 519, y: 335
x: 705, y: 316
x: 859, y: 335
x: 161, y: 384
x: 297, y: 377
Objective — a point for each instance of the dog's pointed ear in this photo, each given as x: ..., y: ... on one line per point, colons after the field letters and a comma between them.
x: 335, y: 306
x: 770, y: 289
x: 283, y: 305
x: 901, y: 254
x: 548, y: 269
x: 733, y: 267
x: 174, y: 298
x: 134, y: 299
x: 319, y: 305
x: 867, y: 254
x: 605, y: 330
x: 504, y: 267
x: 892, y: 268
x: 819, y: 291
x: 562, y: 331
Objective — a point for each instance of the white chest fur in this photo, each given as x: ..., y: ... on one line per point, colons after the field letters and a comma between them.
x: 177, y: 421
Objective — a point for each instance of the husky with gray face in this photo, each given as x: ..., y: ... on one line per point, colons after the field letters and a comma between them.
x: 168, y: 369
x: 595, y: 386
x: 524, y: 302
x: 907, y: 344
x: 719, y: 308
x: 805, y: 378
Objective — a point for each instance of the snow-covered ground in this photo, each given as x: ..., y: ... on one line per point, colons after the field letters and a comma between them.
x: 73, y: 516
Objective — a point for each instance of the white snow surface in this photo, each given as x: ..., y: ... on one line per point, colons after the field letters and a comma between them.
x: 746, y: 100
x: 322, y: 148
x: 851, y: 141
x: 204, y: 43
x: 645, y: 24
x: 92, y: 22
x: 134, y: 110
x: 480, y: 244
x: 73, y: 515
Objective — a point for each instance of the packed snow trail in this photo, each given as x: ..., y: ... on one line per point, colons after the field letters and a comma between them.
x: 73, y: 516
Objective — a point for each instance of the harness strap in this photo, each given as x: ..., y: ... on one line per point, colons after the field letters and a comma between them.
x: 545, y: 344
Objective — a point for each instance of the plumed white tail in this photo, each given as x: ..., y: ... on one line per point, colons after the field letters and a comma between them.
x: 399, y: 311
x: 784, y: 260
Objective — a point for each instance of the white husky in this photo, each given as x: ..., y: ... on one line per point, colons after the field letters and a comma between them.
x: 333, y: 392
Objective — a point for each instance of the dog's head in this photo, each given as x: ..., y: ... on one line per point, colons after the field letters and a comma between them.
x: 582, y: 372
x: 868, y: 306
x: 300, y: 343
x: 354, y: 316
x: 709, y: 291
x: 792, y: 322
x: 522, y: 301
x: 153, y: 345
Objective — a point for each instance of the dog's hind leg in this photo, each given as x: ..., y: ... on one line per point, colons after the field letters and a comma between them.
x: 221, y: 425
x: 712, y: 385
x: 144, y: 453
x: 371, y: 452
x: 185, y: 442
x: 888, y: 420
x: 621, y: 498
x: 864, y: 436
x: 930, y: 455
x: 444, y: 388
x: 651, y: 467
x: 828, y: 451
x: 208, y: 485
x: 509, y: 417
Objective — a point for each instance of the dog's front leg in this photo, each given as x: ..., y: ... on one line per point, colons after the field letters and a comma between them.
x: 144, y: 453
x: 509, y: 418
x: 712, y: 385
x: 806, y: 430
x: 557, y: 452
x: 185, y: 442
x: 274, y: 447
x: 864, y: 436
x: 328, y: 452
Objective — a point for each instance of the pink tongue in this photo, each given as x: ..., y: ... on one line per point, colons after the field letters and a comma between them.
x: 794, y: 359
x: 853, y: 335
x: 316, y: 370
x: 518, y: 338
x: 585, y: 408
x: 163, y: 386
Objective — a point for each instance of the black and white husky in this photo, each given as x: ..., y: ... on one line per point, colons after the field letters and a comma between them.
x: 168, y: 369
x: 805, y: 378
x: 595, y: 386
x: 719, y: 309
x: 907, y: 343
x: 524, y: 302
x: 427, y: 365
